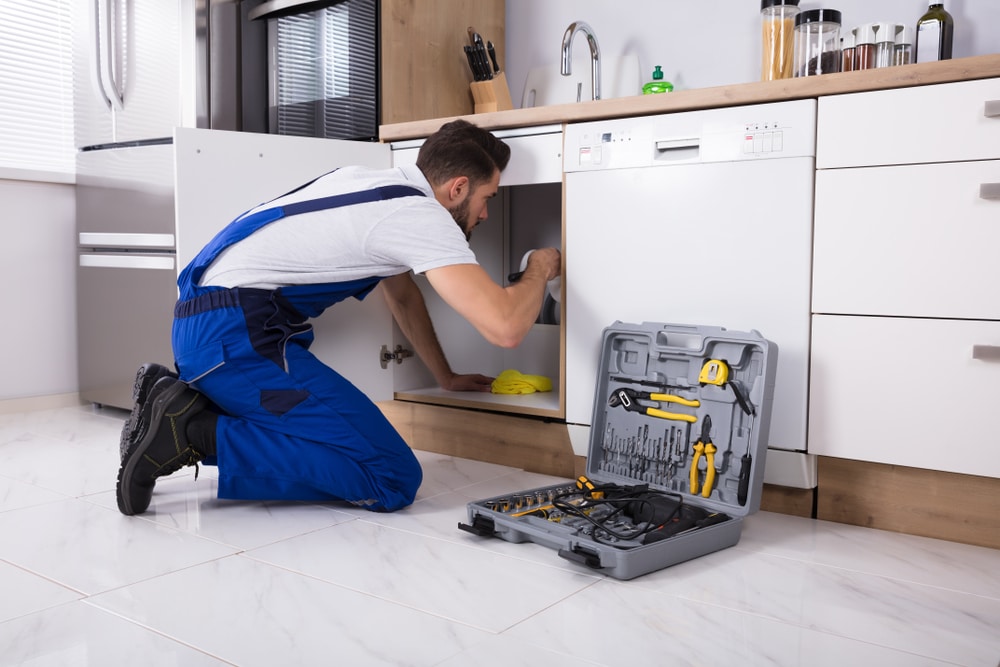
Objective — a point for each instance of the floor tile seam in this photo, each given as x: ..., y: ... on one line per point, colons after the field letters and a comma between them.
x: 48, y: 579
x: 155, y: 631
x: 42, y: 503
x: 482, y: 545
x: 811, y: 628
x: 868, y: 573
x: 368, y: 594
x: 549, y: 606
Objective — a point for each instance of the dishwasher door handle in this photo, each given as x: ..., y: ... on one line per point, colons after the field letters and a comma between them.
x: 127, y: 261
x: 992, y: 109
x: 664, y: 145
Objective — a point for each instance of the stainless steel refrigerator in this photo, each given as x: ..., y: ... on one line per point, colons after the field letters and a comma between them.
x: 140, y: 70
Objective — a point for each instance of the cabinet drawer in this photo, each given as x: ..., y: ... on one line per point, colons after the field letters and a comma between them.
x: 906, y: 392
x: 917, y: 240
x: 941, y: 123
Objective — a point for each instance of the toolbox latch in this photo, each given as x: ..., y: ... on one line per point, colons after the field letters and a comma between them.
x: 481, y: 526
x: 578, y: 554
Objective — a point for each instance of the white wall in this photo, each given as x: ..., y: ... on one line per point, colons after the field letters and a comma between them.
x: 37, y: 260
x: 707, y: 42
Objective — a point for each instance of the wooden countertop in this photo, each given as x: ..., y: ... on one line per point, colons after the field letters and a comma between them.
x: 903, y: 76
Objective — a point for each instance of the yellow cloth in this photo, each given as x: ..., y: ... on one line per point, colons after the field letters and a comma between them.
x: 513, y: 382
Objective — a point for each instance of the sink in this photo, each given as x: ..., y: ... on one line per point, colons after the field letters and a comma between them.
x: 545, y: 85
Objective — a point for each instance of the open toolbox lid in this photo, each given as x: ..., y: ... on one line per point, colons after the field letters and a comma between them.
x: 663, y: 390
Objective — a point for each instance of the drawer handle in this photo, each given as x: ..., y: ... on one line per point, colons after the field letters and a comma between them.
x: 989, y: 190
x: 986, y: 352
x: 992, y: 109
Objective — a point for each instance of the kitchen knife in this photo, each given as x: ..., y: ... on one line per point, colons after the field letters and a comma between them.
x: 493, y: 56
x: 484, y: 65
x: 473, y: 65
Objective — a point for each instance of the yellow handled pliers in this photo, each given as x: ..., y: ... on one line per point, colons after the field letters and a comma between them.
x: 629, y: 399
x: 705, y: 447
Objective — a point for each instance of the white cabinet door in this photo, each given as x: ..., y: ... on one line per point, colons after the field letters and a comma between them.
x: 915, y: 240
x: 221, y: 175
x: 943, y: 123
x: 705, y: 244
x: 912, y: 392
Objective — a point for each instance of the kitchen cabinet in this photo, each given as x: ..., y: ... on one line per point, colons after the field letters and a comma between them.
x: 906, y: 289
x: 424, y: 72
x: 223, y: 174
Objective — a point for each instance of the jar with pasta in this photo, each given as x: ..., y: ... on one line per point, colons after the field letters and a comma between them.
x: 777, y: 38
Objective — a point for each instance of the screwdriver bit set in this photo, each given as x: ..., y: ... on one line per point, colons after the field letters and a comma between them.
x: 676, y: 456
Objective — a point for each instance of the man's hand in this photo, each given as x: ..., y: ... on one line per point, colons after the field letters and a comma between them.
x: 471, y: 382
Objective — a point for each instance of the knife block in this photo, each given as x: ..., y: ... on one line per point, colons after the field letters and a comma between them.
x: 492, y: 95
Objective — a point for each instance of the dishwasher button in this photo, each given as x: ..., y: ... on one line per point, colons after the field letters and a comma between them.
x: 777, y: 143
x: 748, y: 144
x: 768, y: 142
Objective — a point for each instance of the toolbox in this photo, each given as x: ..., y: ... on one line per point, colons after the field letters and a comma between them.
x: 675, y: 458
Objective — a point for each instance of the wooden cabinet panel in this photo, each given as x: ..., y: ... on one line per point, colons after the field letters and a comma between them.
x: 424, y: 70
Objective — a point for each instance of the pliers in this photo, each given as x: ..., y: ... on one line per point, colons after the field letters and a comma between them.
x: 706, y: 447
x: 629, y: 399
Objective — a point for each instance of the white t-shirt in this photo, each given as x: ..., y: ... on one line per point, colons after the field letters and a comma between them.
x: 375, y: 239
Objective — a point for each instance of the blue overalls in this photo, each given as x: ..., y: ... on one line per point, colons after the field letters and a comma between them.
x: 291, y: 428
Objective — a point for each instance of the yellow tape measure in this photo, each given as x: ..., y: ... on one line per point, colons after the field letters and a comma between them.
x: 715, y: 371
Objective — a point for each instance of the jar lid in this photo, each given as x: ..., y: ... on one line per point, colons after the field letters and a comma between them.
x: 905, y: 36
x: 818, y: 16
x: 764, y: 4
x: 865, y: 33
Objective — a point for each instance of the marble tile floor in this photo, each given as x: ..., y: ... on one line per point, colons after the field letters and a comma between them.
x: 198, y: 581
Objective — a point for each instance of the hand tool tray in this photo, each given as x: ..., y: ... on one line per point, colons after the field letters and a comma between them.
x: 676, y: 454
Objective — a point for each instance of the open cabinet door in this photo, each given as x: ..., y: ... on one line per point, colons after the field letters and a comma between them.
x: 220, y: 175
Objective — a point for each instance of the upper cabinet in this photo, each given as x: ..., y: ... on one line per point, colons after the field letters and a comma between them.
x: 425, y: 73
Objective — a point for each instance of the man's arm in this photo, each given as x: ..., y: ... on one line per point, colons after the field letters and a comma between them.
x: 408, y: 308
x: 503, y: 315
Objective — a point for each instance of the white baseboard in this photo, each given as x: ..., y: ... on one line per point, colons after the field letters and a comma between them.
x: 34, y: 403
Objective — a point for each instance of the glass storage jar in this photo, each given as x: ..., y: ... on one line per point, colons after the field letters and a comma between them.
x: 817, y: 42
x: 777, y: 44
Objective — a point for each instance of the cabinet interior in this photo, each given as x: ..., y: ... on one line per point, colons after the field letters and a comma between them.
x: 521, y: 218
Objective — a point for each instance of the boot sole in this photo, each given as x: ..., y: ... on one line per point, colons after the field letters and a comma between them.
x: 135, y: 453
x: 145, y: 378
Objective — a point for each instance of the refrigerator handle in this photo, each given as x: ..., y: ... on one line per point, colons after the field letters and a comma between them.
x: 95, y: 38
x: 106, y: 30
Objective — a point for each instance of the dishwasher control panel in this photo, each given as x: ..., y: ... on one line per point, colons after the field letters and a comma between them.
x: 765, y: 131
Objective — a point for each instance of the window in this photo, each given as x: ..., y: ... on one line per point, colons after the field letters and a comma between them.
x: 36, y: 91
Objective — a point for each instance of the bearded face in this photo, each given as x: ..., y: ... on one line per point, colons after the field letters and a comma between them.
x: 460, y: 213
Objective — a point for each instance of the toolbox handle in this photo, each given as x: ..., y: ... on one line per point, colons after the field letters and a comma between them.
x: 986, y: 352
x: 579, y: 555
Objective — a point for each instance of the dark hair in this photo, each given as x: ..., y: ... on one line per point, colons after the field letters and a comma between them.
x: 460, y: 148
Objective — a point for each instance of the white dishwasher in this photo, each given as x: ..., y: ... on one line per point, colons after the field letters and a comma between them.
x: 700, y: 218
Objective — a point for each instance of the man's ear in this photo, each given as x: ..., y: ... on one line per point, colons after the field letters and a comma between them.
x: 458, y: 188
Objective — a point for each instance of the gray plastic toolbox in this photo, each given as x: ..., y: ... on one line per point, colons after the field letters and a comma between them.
x: 667, y: 396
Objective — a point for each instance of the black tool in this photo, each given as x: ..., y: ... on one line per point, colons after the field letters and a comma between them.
x: 745, y: 464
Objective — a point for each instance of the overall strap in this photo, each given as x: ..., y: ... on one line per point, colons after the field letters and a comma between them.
x: 248, y: 223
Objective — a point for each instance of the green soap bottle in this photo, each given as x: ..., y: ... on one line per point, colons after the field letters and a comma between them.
x: 657, y: 85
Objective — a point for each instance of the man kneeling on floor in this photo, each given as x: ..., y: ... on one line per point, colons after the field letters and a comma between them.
x: 252, y: 399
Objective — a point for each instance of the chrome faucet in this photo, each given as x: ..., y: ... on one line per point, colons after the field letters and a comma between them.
x: 595, y: 54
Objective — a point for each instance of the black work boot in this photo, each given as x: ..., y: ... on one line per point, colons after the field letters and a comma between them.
x: 145, y: 378
x: 163, y: 446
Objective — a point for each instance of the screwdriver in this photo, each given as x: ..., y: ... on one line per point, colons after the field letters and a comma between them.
x: 745, y: 463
